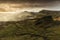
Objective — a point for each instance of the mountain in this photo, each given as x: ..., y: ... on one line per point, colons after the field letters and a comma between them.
x: 31, y: 25
x: 50, y: 12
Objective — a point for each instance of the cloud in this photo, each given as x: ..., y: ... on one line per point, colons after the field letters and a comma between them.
x: 50, y: 4
x: 29, y: 1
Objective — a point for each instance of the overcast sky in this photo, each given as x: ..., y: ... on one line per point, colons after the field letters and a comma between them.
x: 49, y: 4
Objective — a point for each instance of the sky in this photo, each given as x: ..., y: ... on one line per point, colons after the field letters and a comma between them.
x: 30, y: 5
x: 35, y: 3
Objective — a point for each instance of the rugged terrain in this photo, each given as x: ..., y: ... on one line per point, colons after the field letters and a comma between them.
x: 37, y: 26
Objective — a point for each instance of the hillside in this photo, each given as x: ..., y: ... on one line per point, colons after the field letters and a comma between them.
x: 50, y: 12
x: 35, y: 27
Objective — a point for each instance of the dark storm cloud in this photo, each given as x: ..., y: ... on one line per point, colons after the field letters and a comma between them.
x: 35, y: 3
x: 29, y: 1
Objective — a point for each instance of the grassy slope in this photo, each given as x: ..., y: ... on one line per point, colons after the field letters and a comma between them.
x: 26, y: 30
